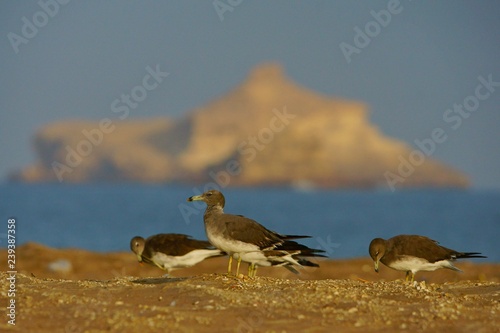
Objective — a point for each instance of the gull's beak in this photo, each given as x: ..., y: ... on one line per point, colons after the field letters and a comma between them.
x: 195, y: 198
x: 376, y: 265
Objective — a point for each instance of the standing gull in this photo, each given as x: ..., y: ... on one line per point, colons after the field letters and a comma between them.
x: 172, y: 251
x: 413, y: 253
x: 246, y: 240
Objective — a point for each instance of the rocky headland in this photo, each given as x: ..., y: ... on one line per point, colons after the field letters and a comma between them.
x: 268, y: 131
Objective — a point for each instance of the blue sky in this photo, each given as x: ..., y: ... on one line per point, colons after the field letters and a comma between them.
x: 421, y: 61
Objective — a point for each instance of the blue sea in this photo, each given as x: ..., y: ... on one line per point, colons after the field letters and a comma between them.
x: 341, y: 222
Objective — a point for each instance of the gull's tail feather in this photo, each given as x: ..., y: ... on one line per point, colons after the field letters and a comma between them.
x: 305, y: 262
x: 304, y: 250
x: 466, y: 255
x: 286, y: 237
x: 291, y: 269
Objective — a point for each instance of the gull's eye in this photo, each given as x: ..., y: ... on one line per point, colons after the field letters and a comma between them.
x: 209, y: 194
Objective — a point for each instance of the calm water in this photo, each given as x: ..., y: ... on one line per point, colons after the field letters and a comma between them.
x: 106, y: 217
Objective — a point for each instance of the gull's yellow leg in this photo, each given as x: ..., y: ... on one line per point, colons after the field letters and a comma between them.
x: 409, y: 274
x: 230, y: 264
x: 238, y: 266
x: 254, y: 271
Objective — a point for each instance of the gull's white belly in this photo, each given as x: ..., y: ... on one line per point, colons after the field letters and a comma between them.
x: 414, y: 264
x: 187, y: 260
x: 231, y: 246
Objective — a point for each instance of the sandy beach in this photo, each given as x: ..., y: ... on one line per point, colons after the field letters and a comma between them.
x: 72, y: 291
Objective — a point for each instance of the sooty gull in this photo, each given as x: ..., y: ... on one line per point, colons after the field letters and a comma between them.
x: 413, y: 253
x: 172, y: 251
x: 246, y: 240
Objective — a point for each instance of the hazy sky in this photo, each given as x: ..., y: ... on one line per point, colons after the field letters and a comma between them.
x: 426, y: 57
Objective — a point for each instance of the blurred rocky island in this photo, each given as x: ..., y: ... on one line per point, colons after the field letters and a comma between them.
x: 267, y: 131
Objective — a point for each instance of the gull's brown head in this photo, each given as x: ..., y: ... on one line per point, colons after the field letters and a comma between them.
x: 211, y: 198
x: 377, y: 251
x: 137, y: 246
